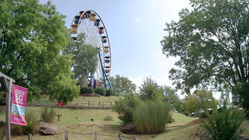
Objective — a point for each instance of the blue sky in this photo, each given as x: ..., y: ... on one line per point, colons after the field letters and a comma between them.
x: 135, y: 29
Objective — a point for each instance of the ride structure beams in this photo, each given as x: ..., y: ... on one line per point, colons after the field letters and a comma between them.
x: 92, y: 26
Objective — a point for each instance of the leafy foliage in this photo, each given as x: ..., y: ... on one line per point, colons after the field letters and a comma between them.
x: 100, y: 91
x: 124, y: 107
x: 172, y: 98
x: 108, y: 118
x: 151, y: 117
x: 85, y: 59
x: 86, y: 90
x: 122, y: 85
x: 151, y: 91
x: 48, y: 114
x: 199, y: 100
x: 32, y: 36
x: 224, y: 124
x: 109, y: 92
x: 242, y: 90
x: 211, y: 41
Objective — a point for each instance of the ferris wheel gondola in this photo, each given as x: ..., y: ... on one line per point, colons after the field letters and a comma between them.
x: 92, y: 26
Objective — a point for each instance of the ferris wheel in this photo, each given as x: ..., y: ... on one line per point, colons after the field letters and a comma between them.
x: 92, y: 26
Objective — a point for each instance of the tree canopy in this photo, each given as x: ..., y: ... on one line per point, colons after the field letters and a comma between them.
x: 211, y: 41
x: 32, y: 36
x: 85, y: 59
x: 122, y: 85
x: 150, y: 90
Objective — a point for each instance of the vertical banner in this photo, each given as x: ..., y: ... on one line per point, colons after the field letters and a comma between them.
x: 19, y: 97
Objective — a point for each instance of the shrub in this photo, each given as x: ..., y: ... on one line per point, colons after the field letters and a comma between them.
x: 100, y: 91
x: 224, y: 124
x: 86, y: 90
x: 109, y: 92
x: 48, y: 114
x: 242, y: 92
x: 31, y: 128
x: 31, y: 119
x: 124, y: 107
x: 151, y: 117
x: 108, y: 118
x: 16, y: 129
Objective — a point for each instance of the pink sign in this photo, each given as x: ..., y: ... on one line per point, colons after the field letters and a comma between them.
x: 19, y: 97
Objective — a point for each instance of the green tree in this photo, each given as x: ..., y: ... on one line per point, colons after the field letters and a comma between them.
x: 150, y: 90
x: 190, y: 104
x: 32, y: 36
x: 85, y: 59
x: 122, y: 85
x: 199, y: 100
x: 172, y: 98
x: 211, y: 41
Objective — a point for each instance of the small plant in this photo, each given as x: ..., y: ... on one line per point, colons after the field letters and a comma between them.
x: 48, y: 114
x: 108, y: 118
x: 30, y: 128
x: 86, y: 90
x: 16, y: 129
x: 151, y: 117
x: 100, y: 91
x: 224, y: 123
x: 31, y: 119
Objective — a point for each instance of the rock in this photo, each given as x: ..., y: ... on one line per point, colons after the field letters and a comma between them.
x: 47, y: 129
x: 129, y: 128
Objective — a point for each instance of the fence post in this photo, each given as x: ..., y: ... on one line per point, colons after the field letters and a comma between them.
x: 66, y: 135
x: 110, y: 104
x: 88, y: 103
x: 29, y: 136
x: 120, y: 136
x: 95, y: 135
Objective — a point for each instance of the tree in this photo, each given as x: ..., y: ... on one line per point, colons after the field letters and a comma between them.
x: 32, y: 36
x: 172, y: 98
x: 122, y: 85
x: 199, y: 100
x: 150, y: 90
x: 212, y: 42
x: 85, y: 59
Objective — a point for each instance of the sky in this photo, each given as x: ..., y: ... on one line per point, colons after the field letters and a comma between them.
x: 135, y: 29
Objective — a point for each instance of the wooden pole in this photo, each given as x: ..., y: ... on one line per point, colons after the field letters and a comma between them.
x: 66, y: 135
x: 95, y: 135
x: 8, y: 107
x: 8, y: 86
x: 29, y: 136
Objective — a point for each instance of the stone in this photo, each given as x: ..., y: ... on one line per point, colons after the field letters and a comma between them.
x: 47, y: 129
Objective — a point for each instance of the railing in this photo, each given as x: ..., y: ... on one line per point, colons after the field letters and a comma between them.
x: 82, y: 105
x: 94, y: 136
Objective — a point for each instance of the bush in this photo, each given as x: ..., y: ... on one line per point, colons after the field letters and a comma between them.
x: 48, y: 114
x: 151, y: 117
x: 124, y: 107
x: 30, y: 128
x: 86, y: 90
x: 100, y: 91
x: 109, y: 92
x: 224, y: 124
x: 108, y: 118
x: 31, y: 120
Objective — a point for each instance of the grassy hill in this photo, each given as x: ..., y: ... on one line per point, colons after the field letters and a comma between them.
x: 83, y: 123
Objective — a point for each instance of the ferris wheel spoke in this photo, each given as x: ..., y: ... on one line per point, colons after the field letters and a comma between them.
x: 92, y: 26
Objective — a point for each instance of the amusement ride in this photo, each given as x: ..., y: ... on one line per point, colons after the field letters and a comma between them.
x: 92, y: 26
